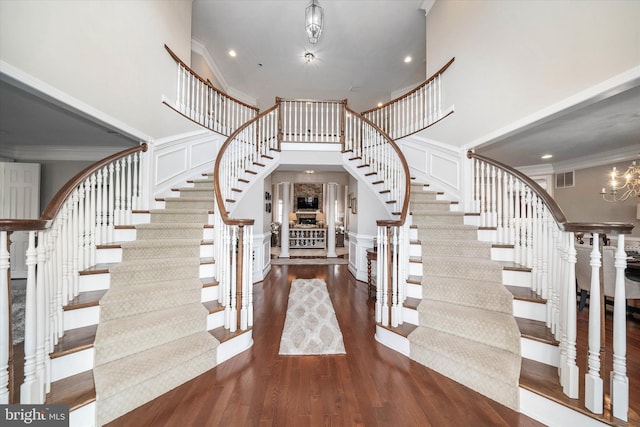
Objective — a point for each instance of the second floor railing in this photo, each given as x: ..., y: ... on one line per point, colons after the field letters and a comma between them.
x: 526, y: 216
x: 414, y: 111
x: 201, y: 102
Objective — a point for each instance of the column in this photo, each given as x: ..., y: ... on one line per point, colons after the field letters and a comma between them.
x: 286, y: 207
x: 331, y: 220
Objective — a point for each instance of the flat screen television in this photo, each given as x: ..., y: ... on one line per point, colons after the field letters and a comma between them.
x: 307, y: 203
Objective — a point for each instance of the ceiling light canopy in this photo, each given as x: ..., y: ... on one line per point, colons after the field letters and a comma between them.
x: 313, y: 21
x: 309, y: 57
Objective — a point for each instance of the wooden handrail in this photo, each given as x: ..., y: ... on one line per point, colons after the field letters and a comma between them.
x: 417, y: 88
x: 58, y: 199
x: 206, y: 82
x: 55, y: 204
x: 405, y: 166
x: 216, y: 171
x: 555, y: 210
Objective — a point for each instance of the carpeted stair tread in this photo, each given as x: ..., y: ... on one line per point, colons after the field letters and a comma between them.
x: 169, y: 230
x: 191, y: 215
x: 477, y: 324
x: 447, y: 231
x: 128, y: 383
x: 120, y: 337
x: 453, y: 248
x: 130, y: 300
x: 469, y: 268
x: 128, y: 273
x: 468, y: 292
x: 156, y: 248
x: 431, y: 216
x: 418, y: 206
x: 199, y: 192
x: 476, y: 365
x: 188, y: 203
x: 419, y: 196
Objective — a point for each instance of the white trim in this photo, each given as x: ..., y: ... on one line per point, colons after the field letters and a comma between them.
x: 47, y: 152
x: 198, y: 47
x: 62, y: 99
x: 551, y: 413
x: 610, y: 87
x: 427, y: 5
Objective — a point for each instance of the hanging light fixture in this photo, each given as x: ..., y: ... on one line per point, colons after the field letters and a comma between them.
x: 624, y: 185
x: 313, y: 21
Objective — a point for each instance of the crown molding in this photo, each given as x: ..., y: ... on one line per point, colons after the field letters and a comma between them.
x: 600, y: 159
x: 427, y: 5
x: 36, y: 153
x: 199, y: 48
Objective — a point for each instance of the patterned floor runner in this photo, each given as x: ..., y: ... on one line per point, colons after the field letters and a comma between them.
x: 310, y: 326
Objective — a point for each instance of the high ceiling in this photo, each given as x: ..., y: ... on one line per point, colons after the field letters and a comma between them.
x: 359, y: 56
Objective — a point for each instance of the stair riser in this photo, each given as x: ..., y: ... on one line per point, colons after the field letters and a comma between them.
x: 206, y: 185
x: 530, y: 310
x: 551, y: 413
x: 516, y: 278
x: 430, y: 206
x: 83, y: 416
x: 450, y: 269
x: 174, y: 217
x: 78, y: 318
x: 215, y: 320
x: 392, y: 340
x: 410, y: 315
x: 71, y: 364
x: 200, y: 193
x: 462, y: 251
x: 94, y: 282
x: 437, y: 219
x: 141, y: 303
x: 210, y: 293
x: 502, y: 254
x: 234, y: 346
x: 140, y: 218
x: 413, y: 290
x: 540, y: 352
x: 415, y: 269
x: 415, y: 250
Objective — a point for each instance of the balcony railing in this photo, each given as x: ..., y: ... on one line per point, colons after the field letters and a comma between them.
x: 414, y: 111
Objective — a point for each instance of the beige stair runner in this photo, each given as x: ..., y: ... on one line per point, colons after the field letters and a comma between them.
x: 466, y: 330
x: 152, y: 334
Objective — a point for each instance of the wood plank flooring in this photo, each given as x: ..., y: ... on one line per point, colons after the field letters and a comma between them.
x: 369, y: 386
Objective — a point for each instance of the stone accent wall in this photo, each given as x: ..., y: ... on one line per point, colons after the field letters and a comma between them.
x: 308, y: 190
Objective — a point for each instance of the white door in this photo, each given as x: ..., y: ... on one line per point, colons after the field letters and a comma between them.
x: 19, y: 199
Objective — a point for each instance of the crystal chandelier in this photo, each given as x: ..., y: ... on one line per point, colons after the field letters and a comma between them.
x: 313, y: 21
x: 623, y: 185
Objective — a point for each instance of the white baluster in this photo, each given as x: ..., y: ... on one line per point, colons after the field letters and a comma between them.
x: 110, y: 204
x: 73, y: 243
x: 98, y: 212
x: 5, y: 325
x: 31, y: 388
x: 619, y: 379
x: 593, y: 382
x: 129, y: 191
x: 42, y: 353
x: 570, y: 370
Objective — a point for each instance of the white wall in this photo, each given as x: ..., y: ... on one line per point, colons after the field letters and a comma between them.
x: 514, y: 58
x: 107, y: 54
x: 583, y: 202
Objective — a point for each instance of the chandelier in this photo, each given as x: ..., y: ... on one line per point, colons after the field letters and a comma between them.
x: 623, y: 185
x: 313, y: 21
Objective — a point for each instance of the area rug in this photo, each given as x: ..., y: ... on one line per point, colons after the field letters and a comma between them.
x: 310, y: 325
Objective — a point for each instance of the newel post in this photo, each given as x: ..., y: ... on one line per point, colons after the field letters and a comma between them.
x: 619, y: 379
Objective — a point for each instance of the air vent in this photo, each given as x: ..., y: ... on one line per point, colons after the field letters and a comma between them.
x: 565, y: 179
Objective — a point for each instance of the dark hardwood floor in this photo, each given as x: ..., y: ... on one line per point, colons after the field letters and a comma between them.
x: 369, y: 386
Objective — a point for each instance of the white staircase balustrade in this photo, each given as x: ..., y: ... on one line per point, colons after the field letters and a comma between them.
x: 413, y: 111
x: 311, y: 121
x: 524, y: 215
x: 201, y: 102
x: 61, y: 244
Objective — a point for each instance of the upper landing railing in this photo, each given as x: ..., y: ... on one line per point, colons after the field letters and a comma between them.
x: 201, y: 102
x: 414, y: 111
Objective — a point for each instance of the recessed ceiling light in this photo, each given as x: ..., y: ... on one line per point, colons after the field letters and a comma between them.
x: 546, y: 156
x: 232, y: 53
x: 407, y: 59
x: 379, y: 104
x: 309, y: 171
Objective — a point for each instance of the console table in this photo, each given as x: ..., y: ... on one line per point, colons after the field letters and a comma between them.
x: 305, y: 237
